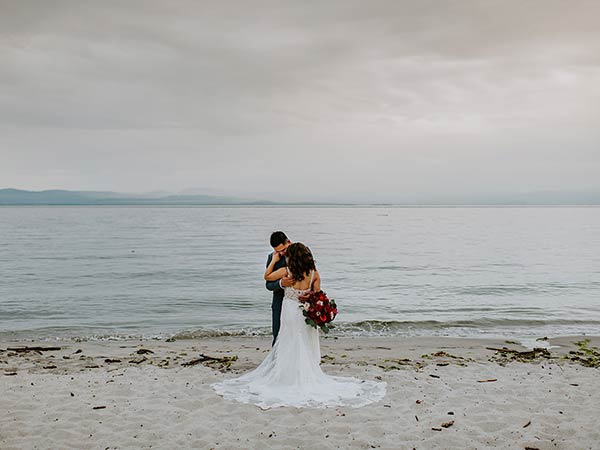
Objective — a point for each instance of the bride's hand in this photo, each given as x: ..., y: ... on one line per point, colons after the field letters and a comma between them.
x: 287, y: 281
x: 304, y: 296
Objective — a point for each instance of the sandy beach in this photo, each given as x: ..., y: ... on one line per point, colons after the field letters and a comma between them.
x: 443, y: 393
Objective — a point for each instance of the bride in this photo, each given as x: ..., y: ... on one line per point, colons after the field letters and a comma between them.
x: 290, y: 375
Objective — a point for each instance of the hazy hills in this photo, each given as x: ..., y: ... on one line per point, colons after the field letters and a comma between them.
x: 65, y: 197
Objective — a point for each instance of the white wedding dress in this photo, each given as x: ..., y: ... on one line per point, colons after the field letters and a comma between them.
x: 290, y: 375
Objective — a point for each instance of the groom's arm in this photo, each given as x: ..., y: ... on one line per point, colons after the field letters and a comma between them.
x: 272, y: 285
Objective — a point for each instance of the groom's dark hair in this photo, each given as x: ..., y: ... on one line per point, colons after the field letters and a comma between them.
x: 278, y: 238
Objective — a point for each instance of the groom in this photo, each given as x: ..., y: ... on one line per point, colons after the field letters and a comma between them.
x: 280, y: 244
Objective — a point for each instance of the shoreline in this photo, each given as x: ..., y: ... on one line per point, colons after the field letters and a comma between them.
x: 156, y: 394
x: 249, y: 348
x: 347, y: 330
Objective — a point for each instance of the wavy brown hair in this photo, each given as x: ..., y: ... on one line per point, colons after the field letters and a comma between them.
x: 299, y: 260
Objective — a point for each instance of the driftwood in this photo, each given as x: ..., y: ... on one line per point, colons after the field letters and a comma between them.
x: 32, y: 349
x: 397, y: 364
x: 139, y: 360
x: 442, y: 354
x: 205, y: 358
x: 487, y: 381
x: 143, y: 351
x: 502, y: 350
x: 448, y: 424
x: 537, y: 351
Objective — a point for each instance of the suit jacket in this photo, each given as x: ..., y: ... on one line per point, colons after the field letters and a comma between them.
x: 274, y: 285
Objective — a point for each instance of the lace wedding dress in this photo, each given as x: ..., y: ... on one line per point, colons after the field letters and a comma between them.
x: 290, y: 375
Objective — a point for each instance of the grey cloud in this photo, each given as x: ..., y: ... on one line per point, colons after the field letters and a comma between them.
x: 383, y: 81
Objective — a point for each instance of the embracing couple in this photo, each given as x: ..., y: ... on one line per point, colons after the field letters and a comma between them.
x: 278, y: 277
x: 291, y: 375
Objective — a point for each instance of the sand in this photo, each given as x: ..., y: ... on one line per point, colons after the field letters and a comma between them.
x: 80, y: 397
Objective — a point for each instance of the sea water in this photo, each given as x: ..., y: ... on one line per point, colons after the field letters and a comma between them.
x: 110, y: 272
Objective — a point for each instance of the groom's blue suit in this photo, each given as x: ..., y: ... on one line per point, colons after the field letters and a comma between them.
x: 277, y: 296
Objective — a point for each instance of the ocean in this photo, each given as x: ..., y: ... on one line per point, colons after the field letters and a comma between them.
x: 156, y: 272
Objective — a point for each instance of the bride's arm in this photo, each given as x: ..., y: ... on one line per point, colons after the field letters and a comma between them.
x: 316, y: 286
x: 270, y: 273
x: 274, y: 276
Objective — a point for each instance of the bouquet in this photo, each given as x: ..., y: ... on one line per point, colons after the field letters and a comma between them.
x: 318, y: 310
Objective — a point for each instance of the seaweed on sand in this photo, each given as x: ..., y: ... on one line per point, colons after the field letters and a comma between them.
x: 504, y: 355
x: 586, y: 356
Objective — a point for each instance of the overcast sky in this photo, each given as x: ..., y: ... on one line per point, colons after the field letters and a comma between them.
x: 324, y: 100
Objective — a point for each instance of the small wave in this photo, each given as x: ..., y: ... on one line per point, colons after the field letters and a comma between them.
x: 418, y: 327
x: 479, y: 327
x: 209, y: 333
x: 478, y: 323
x: 496, y: 290
x: 528, y: 288
x: 400, y: 268
x: 381, y: 328
x: 28, y: 335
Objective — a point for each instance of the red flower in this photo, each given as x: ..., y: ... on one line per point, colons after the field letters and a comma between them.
x: 319, y: 310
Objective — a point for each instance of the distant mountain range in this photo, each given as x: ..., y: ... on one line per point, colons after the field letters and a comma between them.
x: 64, y: 197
